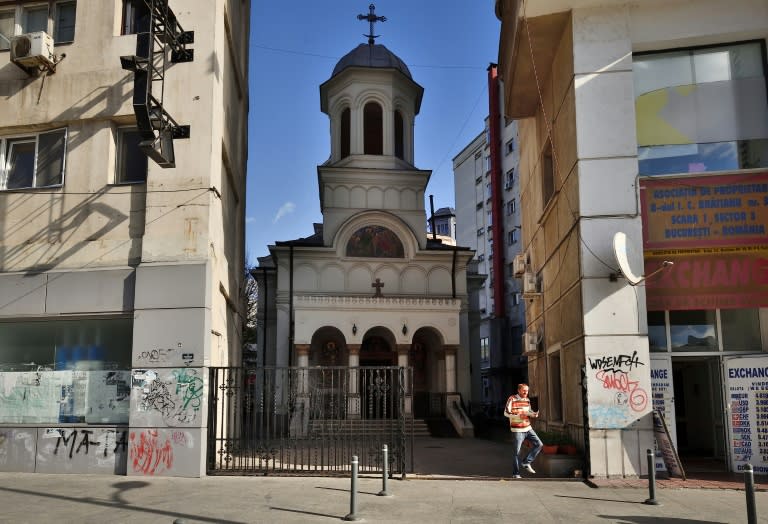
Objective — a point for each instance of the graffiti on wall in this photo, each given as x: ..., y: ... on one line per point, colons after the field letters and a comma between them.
x: 160, y: 451
x: 82, y: 450
x: 617, y: 392
x: 175, y: 395
x: 155, y: 356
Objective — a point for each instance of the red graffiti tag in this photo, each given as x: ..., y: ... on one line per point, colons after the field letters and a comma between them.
x: 148, y: 455
x: 619, y: 381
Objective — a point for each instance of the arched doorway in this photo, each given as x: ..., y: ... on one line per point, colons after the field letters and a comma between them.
x: 424, y: 357
x: 328, y: 382
x: 379, y: 378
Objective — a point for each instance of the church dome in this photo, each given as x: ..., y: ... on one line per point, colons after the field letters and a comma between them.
x: 376, y: 56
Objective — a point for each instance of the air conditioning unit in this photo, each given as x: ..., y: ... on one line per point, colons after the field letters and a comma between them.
x: 530, y: 342
x: 33, y: 50
x: 530, y: 284
x: 518, y: 265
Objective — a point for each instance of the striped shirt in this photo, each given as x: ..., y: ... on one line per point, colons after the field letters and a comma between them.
x: 516, y: 411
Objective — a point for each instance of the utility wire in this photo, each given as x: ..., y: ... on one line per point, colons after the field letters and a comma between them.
x: 304, y: 53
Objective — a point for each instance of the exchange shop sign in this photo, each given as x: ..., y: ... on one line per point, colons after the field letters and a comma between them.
x: 705, y: 211
x: 747, y: 382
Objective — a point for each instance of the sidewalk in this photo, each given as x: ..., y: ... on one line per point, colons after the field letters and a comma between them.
x: 36, y: 498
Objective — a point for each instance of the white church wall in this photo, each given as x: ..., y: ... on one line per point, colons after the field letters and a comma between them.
x: 414, y: 280
x: 439, y: 281
x: 359, y: 279
x: 332, y: 278
x: 305, y: 278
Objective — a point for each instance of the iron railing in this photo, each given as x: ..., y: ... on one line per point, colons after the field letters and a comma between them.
x: 308, y: 421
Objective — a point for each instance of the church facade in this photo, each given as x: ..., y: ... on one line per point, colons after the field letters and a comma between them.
x: 369, y: 288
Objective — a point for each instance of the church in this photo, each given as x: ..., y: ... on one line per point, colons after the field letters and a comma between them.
x: 369, y: 289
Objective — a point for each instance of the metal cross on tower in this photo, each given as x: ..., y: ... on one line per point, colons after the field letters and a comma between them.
x: 372, y: 19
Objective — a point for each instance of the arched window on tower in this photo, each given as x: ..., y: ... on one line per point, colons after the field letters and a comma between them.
x: 346, y: 136
x: 373, y: 135
x: 399, y: 145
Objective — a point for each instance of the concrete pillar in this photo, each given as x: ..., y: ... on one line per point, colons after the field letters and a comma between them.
x: 402, y: 362
x: 353, y: 397
x: 450, y: 368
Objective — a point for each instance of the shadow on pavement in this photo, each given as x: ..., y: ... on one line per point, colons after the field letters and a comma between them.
x: 120, y: 505
x: 599, y: 499
x: 637, y: 519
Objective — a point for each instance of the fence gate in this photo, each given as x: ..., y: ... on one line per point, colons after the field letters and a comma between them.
x: 308, y: 421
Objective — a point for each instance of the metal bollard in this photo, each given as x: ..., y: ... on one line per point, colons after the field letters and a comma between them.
x: 353, y: 492
x: 749, y: 489
x: 651, y: 500
x: 385, y: 473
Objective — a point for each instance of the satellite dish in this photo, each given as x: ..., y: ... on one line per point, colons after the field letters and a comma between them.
x: 624, y: 254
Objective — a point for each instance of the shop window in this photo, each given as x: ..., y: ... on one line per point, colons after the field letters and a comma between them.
x: 71, y: 371
x: 740, y: 329
x: 345, y: 135
x: 33, y: 161
x: 717, y: 124
x: 131, y: 161
x: 693, y: 330
x: 373, y: 135
x: 657, y: 331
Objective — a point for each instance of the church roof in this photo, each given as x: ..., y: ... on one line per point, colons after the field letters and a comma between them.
x: 376, y: 56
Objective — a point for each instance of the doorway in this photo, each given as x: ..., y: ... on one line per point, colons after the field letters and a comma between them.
x: 699, y: 413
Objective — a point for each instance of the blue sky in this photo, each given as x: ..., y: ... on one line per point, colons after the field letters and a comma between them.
x: 294, y: 47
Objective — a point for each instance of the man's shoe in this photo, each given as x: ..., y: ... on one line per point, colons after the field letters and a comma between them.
x: 528, y: 468
x: 516, y: 477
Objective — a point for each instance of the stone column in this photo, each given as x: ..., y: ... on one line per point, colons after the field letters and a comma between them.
x: 299, y: 422
x: 353, y: 397
x: 402, y: 362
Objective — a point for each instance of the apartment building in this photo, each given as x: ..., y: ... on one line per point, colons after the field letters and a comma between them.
x: 123, y: 145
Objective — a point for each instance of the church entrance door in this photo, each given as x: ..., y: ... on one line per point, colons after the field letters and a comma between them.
x: 379, y: 379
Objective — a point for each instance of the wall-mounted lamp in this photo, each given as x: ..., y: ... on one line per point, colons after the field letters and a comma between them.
x: 405, y: 329
x: 354, y: 329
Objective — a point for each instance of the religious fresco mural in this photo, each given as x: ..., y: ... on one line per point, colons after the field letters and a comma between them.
x: 375, y: 242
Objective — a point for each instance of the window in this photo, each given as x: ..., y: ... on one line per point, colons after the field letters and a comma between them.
x: 509, y: 179
x: 516, y: 299
x: 485, y: 350
x: 480, y: 232
x: 547, y: 174
x: 57, y: 18
x: 373, y: 134
x: 488, y: 164
x: 129, y: 16
x: 82, y: 368
x: 480, y: 257
x: 555, y: 387
x: 7, y: 28
x: 399, y: 144
x: 33, y: 161
x: 509, y: 146
x: 488, y: 191
x: 717, y: 125
x: 657, y: 331
x: 511, y: 206
x: 131, y: 161
x: 693, y: 330
x: 64, y: 22
x: 479, y: 180
x: 740, y: 329
x: 512, y: 237
x: 345, y: 135
x: 479, y: 205
x: 489, y: 214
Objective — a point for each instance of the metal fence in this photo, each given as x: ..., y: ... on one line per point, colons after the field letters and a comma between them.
x: 308, y: 421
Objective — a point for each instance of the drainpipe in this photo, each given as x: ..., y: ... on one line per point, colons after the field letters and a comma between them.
x: 494, y: 124
x: 290, y: 307
x: 453, y: 274
x: 432, y: 218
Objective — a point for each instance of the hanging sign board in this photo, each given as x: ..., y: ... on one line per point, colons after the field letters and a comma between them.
x: 747, y: 408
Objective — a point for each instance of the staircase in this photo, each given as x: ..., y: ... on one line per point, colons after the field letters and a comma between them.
x: 329, y: 428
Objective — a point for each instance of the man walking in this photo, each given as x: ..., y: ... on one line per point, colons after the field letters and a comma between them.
x: 518, y: 411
